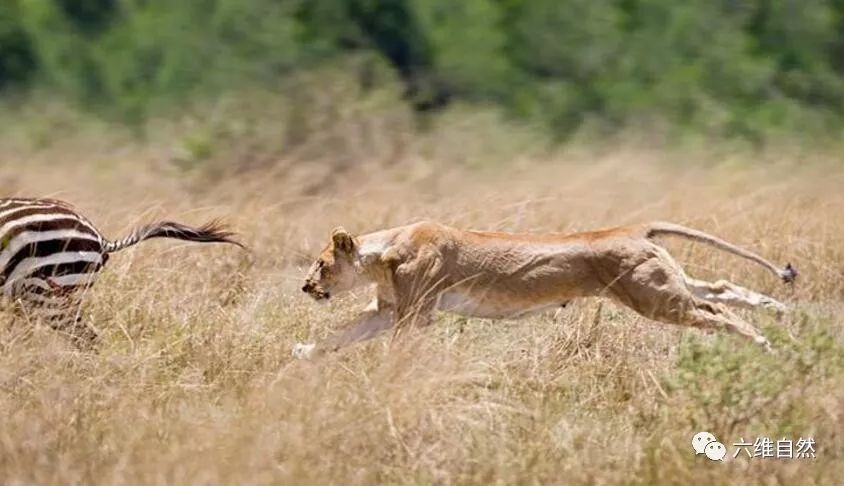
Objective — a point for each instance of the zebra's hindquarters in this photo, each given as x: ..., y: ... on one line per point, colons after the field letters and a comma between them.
x: 48, y: 245
x: 48, y: 253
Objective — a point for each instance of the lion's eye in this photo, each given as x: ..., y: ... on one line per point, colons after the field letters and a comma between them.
x: 323, y: 272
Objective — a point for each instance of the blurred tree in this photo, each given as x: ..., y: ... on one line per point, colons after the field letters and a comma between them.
x: 803, y: 38
x: 467, y: 47
x: 392, y: 27
x: 723, y: 67
x: 687, y: 61
x: 17, y: 61
x: 155, y: 51
x: 567, y: 48
x: 90, y: 17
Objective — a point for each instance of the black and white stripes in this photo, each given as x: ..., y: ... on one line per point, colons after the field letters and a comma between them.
x: 48, y: 252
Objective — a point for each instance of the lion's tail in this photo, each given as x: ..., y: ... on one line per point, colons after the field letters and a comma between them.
x: 787, y: 274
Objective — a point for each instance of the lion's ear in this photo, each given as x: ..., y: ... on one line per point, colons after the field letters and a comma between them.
x: 343, y: 241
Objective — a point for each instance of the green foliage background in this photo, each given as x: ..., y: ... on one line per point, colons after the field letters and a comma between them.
x: 729, y: 68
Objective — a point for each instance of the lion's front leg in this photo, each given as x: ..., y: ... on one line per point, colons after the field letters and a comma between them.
x: 377, y: 317
x: 418, y: 284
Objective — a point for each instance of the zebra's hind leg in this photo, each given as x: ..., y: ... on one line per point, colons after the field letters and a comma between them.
x: 60, y: 311
x: 70, y: 323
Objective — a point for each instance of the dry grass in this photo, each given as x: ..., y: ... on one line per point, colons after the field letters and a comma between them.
x: 194, y: 383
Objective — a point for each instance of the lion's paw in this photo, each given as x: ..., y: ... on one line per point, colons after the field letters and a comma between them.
x: 303, y: 351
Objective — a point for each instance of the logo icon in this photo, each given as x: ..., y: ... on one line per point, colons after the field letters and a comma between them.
x: 715, y: 451
x: 706, y: 443
x: 763, y: 447
x: 700, y: 440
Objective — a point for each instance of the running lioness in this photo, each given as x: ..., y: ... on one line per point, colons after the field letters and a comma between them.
x: 426, y: 266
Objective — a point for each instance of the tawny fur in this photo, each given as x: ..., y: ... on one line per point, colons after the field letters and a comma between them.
x: 423, y: 267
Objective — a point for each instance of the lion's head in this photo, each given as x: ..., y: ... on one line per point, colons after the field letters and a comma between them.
x: 336, y: 268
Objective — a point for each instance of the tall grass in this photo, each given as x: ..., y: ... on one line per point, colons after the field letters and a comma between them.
x: 193, y: 382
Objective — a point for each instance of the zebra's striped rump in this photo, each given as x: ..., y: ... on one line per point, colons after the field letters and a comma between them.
x: 48, y: 252
x: 42, y: 241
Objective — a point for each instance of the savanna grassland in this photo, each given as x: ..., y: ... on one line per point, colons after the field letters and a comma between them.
x: 193, y: 382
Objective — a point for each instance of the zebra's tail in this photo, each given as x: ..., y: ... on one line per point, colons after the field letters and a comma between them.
x: 212, y: 232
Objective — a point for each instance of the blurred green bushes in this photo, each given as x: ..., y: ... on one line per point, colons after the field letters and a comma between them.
x: 730, y: 68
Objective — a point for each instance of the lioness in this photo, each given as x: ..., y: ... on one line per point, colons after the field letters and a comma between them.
x: 426, y: 266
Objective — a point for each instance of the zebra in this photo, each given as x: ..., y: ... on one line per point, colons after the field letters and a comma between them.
x: 49, y: 253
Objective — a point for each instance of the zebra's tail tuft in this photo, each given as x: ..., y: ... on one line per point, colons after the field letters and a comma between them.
x: 211, y: 232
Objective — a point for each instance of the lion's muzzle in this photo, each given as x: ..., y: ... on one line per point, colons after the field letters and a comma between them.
x: 315, y: 291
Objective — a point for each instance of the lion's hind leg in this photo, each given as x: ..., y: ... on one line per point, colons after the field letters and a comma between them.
x: 729, y: 293
x: 706, y: 315
x: 656, y: 289
x: 685, y: 309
